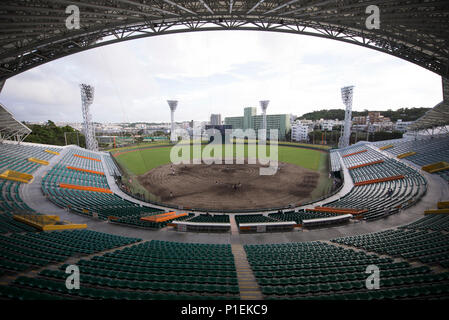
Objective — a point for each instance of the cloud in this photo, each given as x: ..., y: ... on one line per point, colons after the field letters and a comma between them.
x: 217, y: 72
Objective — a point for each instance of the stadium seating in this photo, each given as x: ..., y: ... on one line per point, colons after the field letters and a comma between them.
x: 21, y: 252
x: 110, y: 164
x: 353, y: 156
x: 90, y: 203
x: 383, y: 198
x: 10, y: 200
x: 60, y: 174
x: 437, y: 222
x: 82, y: 159
x: 314, y: 270
x: 428, y: 151
x: 137, y: 222
x: 421, y: 245
x: 10, y: 292
x: 9, y: 225
x: 253, y: 218
x: 206, y: 218
x: 388, y: 168
x: 170, y: 270
x: 299, y: 216
x: 15, y: 156
x: 150, y: 270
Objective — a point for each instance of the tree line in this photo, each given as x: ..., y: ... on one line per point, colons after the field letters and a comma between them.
x: 406, y: 114
x: 50, y: 133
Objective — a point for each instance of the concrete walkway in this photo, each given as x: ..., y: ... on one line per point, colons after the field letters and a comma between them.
x: 32, y: 193
x: 249, y: 289
x: 234, y: 227
x: 33, y: 196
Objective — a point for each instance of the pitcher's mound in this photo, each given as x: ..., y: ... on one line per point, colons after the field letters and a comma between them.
x: 229, y: 186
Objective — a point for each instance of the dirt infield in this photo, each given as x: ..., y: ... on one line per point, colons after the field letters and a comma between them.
x: 229, y: 186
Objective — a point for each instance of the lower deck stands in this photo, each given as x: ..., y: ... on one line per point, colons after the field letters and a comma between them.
x: 383, y: 199
x: 437, y: 222
x: 21, y: 252
x: 101, y: 205
x: 150, y: 270
x: 315, y: 270
x: 421, y: 245
x: 261, y: 223
x: 299, y: 216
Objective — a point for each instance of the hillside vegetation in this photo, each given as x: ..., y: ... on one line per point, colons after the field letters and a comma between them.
x: 406, y: 114
x: 49, y: 133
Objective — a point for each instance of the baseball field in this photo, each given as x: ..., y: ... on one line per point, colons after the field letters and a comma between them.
x: 303, y: 177
x: 141, y: 160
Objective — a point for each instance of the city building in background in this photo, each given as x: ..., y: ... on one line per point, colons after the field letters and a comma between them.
x: 300, y: 132
x: 373, y: 122
x: 402, y: 126
x: 215, y: 119
x: 251, y: 120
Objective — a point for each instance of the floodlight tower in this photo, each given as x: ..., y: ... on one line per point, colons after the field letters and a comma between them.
x: 87, y: 97
x: 346, y: 95
x: 172, y: 104
x: 264, y: 106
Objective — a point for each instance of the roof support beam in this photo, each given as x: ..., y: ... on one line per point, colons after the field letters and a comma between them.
x: 255, y: 6
x: 206, y: 6
x: 179, y: 6
x: 281, y: 6
x: 413, y: 30
x: 143, y: 5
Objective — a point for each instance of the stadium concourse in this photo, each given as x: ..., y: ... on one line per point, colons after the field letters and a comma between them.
x: 123, y: 257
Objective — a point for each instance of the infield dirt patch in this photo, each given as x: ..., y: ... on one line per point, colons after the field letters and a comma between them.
x: 229, y: 186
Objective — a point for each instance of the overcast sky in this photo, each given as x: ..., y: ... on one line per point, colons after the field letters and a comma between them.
x: 217, y: 72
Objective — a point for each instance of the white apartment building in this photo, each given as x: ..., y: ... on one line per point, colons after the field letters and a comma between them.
x: 300, y: 132
x: 402, y: 125
x: 327, y: 125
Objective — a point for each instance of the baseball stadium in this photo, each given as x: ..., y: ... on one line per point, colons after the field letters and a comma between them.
x: 137, y: 226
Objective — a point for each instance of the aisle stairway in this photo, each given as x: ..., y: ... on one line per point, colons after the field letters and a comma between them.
x: 249, y: 289
x: 234, y: 227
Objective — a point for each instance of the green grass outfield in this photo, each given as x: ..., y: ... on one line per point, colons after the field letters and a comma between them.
x: 140, y: 161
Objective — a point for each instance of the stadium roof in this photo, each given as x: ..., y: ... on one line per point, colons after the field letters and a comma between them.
x: 10, y: 127
x: 34, y: 32
x: 436, y: 117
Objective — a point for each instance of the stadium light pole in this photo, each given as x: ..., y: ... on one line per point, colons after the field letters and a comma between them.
x: 264, y: 106
x: 346, y: 95
x: 87, y: 98
x: 172, y: 104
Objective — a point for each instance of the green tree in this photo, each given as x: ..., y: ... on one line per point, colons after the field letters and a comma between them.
x: 406, y: 114
x: 50, y: 133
